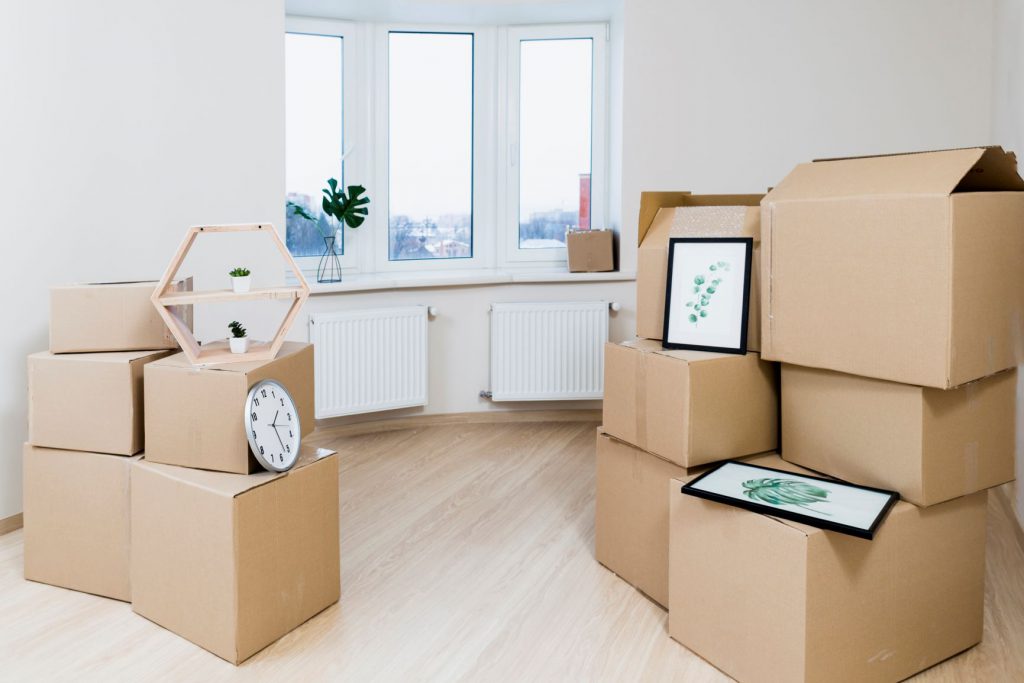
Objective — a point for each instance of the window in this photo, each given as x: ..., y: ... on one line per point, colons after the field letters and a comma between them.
x: 478, y: 146
x: 314, y: 115
x: 430, y: 145
x: 555, y: 104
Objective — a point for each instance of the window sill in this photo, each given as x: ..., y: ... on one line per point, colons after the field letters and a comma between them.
x: 367, y: 282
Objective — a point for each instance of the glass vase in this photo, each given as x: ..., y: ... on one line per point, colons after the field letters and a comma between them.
x: 329, y: 268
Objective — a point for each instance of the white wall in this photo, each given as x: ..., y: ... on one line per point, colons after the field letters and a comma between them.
x: 1008, y: 130
x: 122, y: 123
x: 729, y: 95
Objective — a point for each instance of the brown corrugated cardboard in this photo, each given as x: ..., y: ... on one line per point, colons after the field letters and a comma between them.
x: 931, y: 445
x: 88, y: 401
x: 905, y: 268
x: 631, y: 520
x: 681, y: 214
x: 110, y: 316
x: 768, y: 600
x: 77, y: 524
x: 234, y: 562
x: 194, y: 414
x: 690, y: 407
x: 590, y: 251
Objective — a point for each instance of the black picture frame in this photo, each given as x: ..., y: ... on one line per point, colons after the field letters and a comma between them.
x: 690, y: 489
x: 667, y: 342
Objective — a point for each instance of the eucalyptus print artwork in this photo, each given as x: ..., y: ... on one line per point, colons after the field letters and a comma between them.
x: 704, y: 287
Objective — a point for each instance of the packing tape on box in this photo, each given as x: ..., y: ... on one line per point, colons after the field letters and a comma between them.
x: 710, y: 221
x: 640, y: 387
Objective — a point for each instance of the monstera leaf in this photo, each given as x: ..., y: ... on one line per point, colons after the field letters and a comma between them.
x: 785, y: 492
x: 350, y: 208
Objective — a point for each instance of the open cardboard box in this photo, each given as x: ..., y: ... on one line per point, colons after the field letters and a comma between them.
x: 905, y: 268
x: 680, y: 214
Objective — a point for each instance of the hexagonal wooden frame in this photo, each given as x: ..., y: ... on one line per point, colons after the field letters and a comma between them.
x: 166, y: 300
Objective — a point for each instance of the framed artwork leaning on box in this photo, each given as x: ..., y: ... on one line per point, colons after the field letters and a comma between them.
x: 824, y: 503
x: 707, y: 294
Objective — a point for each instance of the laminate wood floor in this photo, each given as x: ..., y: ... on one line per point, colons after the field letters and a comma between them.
x: 467, y: 554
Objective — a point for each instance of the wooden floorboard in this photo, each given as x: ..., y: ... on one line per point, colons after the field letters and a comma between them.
x: 467, y: 554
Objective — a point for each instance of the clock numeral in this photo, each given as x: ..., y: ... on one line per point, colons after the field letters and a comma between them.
x: 256, y: 437
x: 288, y: 447
x: 255, y: 401
x: 263, y: 392
x: 282, y: 401
x: 253, y: 416
x: 289, y: 417
x: 274, y: 395
x: 261, y: 450
x: 290, y: 435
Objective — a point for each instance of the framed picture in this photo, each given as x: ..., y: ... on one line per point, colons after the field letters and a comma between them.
x: 707, y: 296
x: 823, y: 503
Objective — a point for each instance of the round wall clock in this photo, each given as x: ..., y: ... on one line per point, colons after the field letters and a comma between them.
x: 272, y: 425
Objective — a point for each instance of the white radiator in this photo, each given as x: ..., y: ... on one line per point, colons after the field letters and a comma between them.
x: 369, y: 360
x: 548, y: 351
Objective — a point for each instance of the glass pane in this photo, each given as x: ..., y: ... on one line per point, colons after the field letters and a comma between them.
x: 555, y: 100
x: 430, y: 145
x: 313, y: 137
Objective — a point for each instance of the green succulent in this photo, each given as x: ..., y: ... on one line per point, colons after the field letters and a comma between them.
x: 239, y: 272
x: 237, y: 330
x: 777, y: 491
x: 348, y: 208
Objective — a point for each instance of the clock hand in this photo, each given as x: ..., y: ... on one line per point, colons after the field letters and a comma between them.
x: 279, y: 440
x: 274, y: 422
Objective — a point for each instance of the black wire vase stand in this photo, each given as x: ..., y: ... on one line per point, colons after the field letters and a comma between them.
x: 329, y: 268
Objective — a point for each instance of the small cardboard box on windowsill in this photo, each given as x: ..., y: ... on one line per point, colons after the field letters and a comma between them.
x: 590, y: 251
x: 765, y: 599
x: 111, y: 316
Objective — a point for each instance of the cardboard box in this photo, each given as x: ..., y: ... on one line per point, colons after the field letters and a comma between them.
x: 590, y: 251
x: 764, y: 599
x: 931, y: 445
x: 690, y: 407
x: 77, y: 524
x: 234, y: 562
x: 88, y: 401
x: 905, y: 268
x: 631, y: 520
x: 110, y: 316
x: 194, y: 414
x: 681, y: 214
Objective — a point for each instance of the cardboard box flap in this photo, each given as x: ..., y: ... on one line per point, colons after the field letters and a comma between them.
x: 654, y: 346
x: 922, y: 173
x: 652, y: 202
x: 231, y: 485
x: 702, y: 221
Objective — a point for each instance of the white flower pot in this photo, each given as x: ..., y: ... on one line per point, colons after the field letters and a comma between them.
x: 240, y: 285
x: 238, y: 344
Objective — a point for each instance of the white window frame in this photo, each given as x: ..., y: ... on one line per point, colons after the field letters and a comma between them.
x: 351, y: 124
x: 509, y: 151
x: 495, y: 174
x: 483, y: 192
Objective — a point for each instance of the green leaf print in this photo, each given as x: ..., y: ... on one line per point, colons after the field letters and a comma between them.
x: 703, y: 294
x: 777, y: 491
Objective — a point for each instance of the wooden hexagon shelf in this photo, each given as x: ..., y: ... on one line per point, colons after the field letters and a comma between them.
x: 166, y: 301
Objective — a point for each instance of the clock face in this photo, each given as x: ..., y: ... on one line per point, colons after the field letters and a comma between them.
x: 272, y: 425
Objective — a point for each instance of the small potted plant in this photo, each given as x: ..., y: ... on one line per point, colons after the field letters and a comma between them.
x: 238, y: 340
x: 240, y: 280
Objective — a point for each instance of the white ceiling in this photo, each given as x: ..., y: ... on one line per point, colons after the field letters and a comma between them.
x: 458, y: 11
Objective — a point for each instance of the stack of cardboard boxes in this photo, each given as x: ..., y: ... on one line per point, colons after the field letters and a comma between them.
x: 192, y: 532
x: 668, y: 414
x: 893, y: 297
